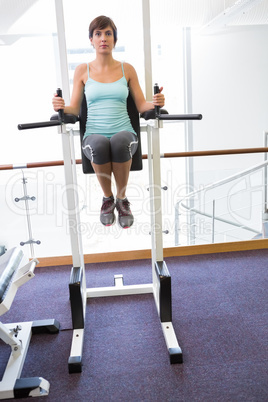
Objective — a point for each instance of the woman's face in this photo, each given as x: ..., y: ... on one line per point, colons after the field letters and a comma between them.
x: 103, y: 39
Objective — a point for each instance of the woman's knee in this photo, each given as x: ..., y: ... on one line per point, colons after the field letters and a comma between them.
x: 123, y: 146
x: 96, y: 147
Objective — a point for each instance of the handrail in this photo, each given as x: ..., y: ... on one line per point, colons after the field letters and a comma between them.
x: 145, y: 156
x: 31, y: 165
x: 224, y: 181
x: 217, y: 218
x: 212, y: 186
x: 214, y: 152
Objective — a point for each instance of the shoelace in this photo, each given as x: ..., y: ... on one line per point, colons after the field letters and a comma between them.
x: 107, y: 205
x: 124, y: 208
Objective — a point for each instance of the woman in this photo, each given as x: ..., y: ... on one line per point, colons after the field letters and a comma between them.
x: 109, y: 141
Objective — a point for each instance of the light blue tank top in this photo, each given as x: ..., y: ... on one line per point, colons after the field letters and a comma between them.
x: 107, y: 107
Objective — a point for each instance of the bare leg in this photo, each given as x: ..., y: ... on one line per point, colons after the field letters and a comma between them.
x: 104, y: 173
x: 121, y: 175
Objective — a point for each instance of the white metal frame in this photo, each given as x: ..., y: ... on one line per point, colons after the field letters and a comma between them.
x: 79, y: 298
x: 154, y: 155
x: 18, y: 336
x: 161, y: 280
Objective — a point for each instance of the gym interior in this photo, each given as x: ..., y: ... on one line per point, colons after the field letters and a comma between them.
x: 173, y: 308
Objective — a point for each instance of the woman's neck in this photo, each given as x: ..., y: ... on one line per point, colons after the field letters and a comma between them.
x: 103, y: 61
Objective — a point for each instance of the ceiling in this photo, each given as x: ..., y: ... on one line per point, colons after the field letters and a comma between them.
x: 199, y: 13
x: 191, y: 13
x: 11, y: 11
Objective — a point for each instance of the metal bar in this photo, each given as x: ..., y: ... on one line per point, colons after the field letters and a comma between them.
x: 15, y: 365
x: 33, y: 165
x: 75, y: 358
x: 210, y: 187
x: 188, y: 127
x: 227, y: 180
x: 65, y: 84
x: 179, y: 116
x: 119, y: 290
x: 71, y: 186
x: 156, y: 194
x: 213, y: 222
x: 265, y: 201
x: 41, y: 124
x: 150, y: 171
x: 147, y: 49
x: 216, y: 218
x: 216, y: 152
x: 29, y: 226
x: 72, y: 199
x: 175, y: 352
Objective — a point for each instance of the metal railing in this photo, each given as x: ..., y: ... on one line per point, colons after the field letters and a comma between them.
x: 181, y: 203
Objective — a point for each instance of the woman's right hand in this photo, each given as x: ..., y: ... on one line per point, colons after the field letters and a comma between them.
x: 58, y: 103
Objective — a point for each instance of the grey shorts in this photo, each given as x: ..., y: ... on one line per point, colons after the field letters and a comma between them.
x: 119, y: 148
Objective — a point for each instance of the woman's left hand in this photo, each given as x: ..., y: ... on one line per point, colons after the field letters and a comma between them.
x: 159, y: 98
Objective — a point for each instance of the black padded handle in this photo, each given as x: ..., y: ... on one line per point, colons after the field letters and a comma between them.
x: 41, y: 124
x: 163, y: 115
x: 180, y: 117
x: 61, y: 111
x: 56, y: 120
x: 156, y: 91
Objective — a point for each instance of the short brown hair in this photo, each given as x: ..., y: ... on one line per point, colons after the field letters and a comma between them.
x: 102, y: 22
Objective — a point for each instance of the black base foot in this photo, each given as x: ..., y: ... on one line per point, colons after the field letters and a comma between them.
x: 75, y: 364
x: 175, y: 356
x: 45, y: 326
x: 34, y: 386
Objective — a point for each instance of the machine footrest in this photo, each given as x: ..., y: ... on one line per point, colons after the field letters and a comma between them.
x: 76, y: 297
x: 164, y: 291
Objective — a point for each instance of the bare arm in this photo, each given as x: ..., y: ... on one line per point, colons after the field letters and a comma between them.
x: 77, y: 94
x: 137, y: 94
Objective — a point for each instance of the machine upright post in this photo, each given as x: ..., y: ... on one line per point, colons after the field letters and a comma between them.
x: 160, y: 274
x: 77, y: 284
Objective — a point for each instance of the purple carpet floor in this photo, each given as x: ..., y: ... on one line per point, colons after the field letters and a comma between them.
x: 219, y: 316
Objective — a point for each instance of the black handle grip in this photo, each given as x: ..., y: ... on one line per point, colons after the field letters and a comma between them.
x: 61, y: 111
x: 180, y: 117
x: 156, y: 91
x: 41, y: 124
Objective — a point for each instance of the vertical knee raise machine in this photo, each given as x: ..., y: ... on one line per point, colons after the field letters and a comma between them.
x: 15, y: 271
x: 160, y: 287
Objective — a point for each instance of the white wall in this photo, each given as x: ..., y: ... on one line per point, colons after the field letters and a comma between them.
x: 230, y: 89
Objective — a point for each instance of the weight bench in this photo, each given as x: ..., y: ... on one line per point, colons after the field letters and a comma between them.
x: 15, y: 270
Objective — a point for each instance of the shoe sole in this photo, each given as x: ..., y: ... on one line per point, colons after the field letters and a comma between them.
x: 125, y: 227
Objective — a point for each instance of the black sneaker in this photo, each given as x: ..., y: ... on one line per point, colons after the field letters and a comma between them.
x: 107, y: 216
x: 125, y: 217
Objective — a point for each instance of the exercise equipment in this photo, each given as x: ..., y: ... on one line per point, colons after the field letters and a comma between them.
x: 15, y: 270
x: 160, y: 287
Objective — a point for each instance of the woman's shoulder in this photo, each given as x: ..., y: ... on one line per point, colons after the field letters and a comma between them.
x: 81, y: 68
x: 128, y: 66
x: 81, y: 72
x: 129, y: 70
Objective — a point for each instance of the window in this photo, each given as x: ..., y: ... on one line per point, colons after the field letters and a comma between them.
x: 129, y: 47
x: 27, y: 81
